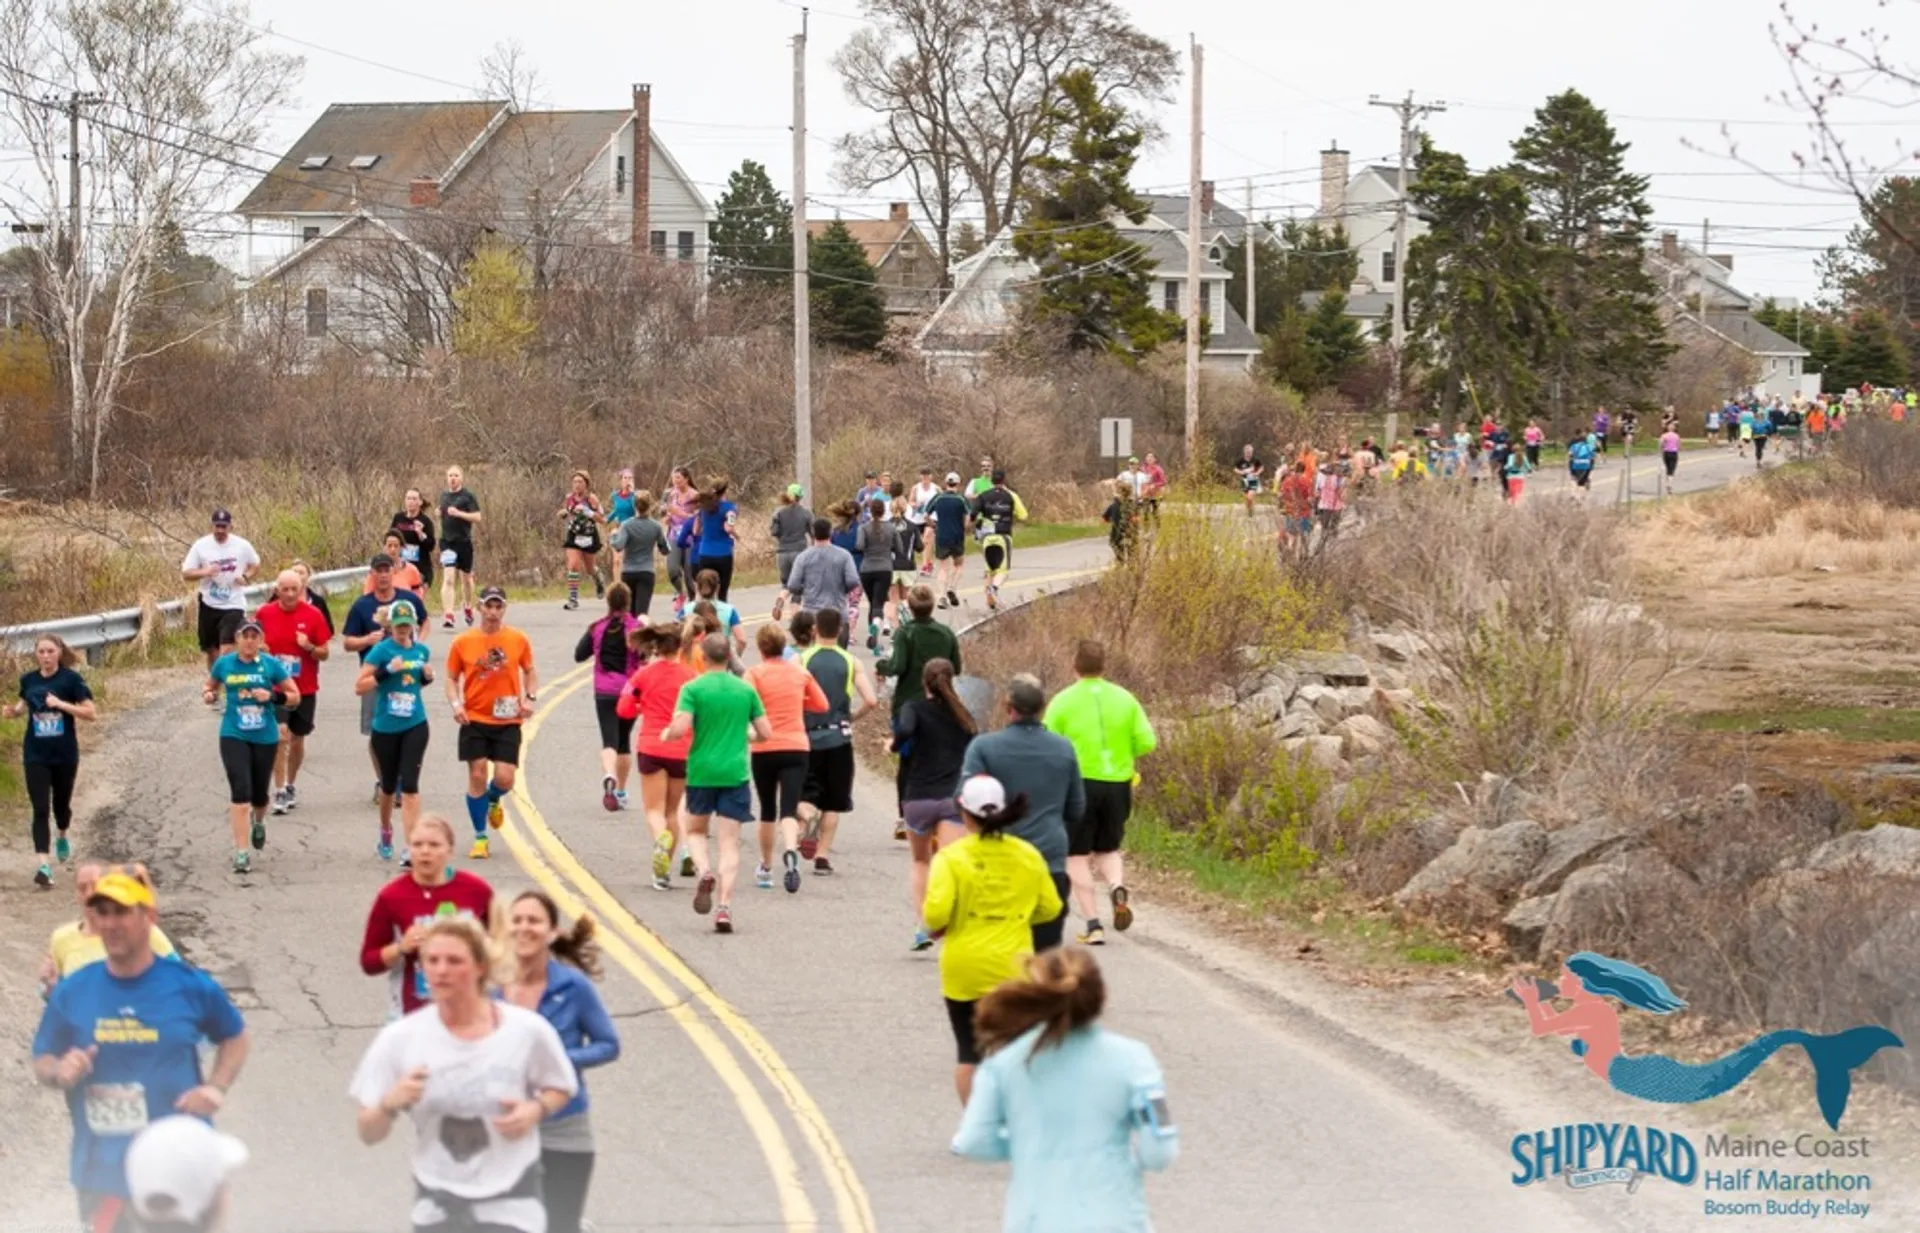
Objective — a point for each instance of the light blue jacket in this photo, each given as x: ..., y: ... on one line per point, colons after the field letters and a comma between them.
x: 1068, y: 1119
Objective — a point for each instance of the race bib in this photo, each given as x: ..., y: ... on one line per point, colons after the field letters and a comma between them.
x: 117, y: 1109
x: 251, y: 718
x: 219, y: 592
x: 506, y: 708
x: 49, y: 724
x: 583, y: 541
x: 291, y: 663
x: 410, y: 553
x: 449, y: 557
x: 403, y: 705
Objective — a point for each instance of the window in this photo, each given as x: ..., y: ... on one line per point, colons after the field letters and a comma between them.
x: 1793, y: 368
x: 1206, y: 299
x: 316, y: 312
x: 619, y: 174
x: 686, y: 245
x: 1171, y: 299
x: 315, y: 162
x: 309, y: 234
x: 658, y: 242
x: 419, y: 320
x: 1387, y: 270
x: 364, y: 162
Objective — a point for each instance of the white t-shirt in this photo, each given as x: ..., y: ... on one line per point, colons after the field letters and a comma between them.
x: 917, y: 502
x: 456, y: 1148
x: 233, y: 559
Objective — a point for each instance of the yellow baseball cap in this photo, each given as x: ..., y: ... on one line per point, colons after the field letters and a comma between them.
x: 123, y: 890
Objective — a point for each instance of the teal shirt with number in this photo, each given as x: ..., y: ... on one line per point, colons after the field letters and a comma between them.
x: 397, y: 705
x: 248, y: 719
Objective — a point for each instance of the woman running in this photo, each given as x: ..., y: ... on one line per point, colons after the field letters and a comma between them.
x: 477, y: 1077
x: 620, y: 507
x: 792, y: 530
x: 75, y: 945
x: 582, y: 513
x: 249, y: 732
x: 906, y: 564
x: 404, y: 907
x: 787, y: 692
x: 406, y: 575
x: 707, y: 588
x: 416, y: 536
x: 1079, y: 1110
x: 394, y: 673
x: 931, y: 736
x: 639, y: 540
x: 605, y: 646
x: 1669, y: 459
x: 680, y: 503
x: 984, y: 894
x: 873, y: 545
x: 717, y: 532
x: 52, y: 697
x: 553, y: 975
x: 649, y: 699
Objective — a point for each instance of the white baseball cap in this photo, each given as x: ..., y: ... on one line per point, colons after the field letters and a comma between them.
x: 983, y: 796
x: 177, y: 1166
x: 953, y: 477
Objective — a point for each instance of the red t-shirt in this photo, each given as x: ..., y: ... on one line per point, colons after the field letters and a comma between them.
x: 280, y: 626
x: 404, y: 903
x: 1296, y: 495
x: 650, y: 695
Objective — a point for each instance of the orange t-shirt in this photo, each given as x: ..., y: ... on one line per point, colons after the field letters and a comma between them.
x: 788, y: 691
x: 490, y: 667
x: 405, y: 576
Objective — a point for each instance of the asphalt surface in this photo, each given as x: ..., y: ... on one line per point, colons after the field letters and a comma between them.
x: 794, y: 1075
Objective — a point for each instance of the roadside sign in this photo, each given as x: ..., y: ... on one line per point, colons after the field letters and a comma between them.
x: 1116, y: 438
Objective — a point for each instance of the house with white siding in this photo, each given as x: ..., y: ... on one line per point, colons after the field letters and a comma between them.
x: 1367, y: 204
x: 348, y: 238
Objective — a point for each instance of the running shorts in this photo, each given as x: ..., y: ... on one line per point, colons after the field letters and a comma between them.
x: 778, y: 778
x: 1580, y: 478
x: 829, y: 785
x: 462, y: 551
x: 218, y: 627
x: 1102, y: 826
x: 925, y: 817
x: 956, y: 551
x: 997, y: 552
x: 249, y: 768
x: 299, y: 719
x: 1671, y: 461
x: 400, y: 755
x: 615, y: 733
x: 960, y: 1016
x: 734, y: 803
x: 672, y: 768
x: 490, y: 743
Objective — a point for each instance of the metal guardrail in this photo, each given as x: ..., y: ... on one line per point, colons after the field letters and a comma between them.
x: 97, y: 631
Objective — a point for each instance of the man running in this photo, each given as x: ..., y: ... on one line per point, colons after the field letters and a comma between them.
x: 490, y: 684
x: 1580, y: 463
x: 721, y: 711
x: 824, y: 575
x: 830, y: 762
x: 1248, y: 471
x: 948, y: 515
x: 223, y: 564
x: 459, y: 514
x: 1108, y: 729
x: 994, y: 512
x: 297, y: 636
x: 981, y: 482
x: 1027, y: 759
x: 364, y: 630
x: 918, y: 498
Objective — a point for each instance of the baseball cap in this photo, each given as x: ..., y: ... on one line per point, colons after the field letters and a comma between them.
x: 176, y: 1168
x: 250, y: 626
x: 490, y: 594
x: 380, y: 561
x: 401, y: 613
x: 220, y: 517
x: 126, y: 891
x: 983, y: 795
x: 953, y: 477
x: 1132, y: 458
x: 796, y: 491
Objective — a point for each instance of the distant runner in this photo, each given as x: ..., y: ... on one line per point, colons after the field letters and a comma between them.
x: 490, y: 684
x: 52, y: 696
x: 394, y: 674
x: 249, y: 680
x: 459, y: 514
x: 223, y: 564
x: 720, y: 710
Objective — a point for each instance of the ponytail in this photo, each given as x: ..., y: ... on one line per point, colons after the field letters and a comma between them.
x: 578, y: 947
x: 994, y: 822
x: 937, y: 677
x: 1062, y: 992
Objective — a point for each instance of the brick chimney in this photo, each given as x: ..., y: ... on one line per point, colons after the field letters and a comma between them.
x: 897, y: 212
x: 1333, y: 181
x: 1670, y: 245
x: 642, y: 166
x: 1206, y: 201
x: 424, y: 194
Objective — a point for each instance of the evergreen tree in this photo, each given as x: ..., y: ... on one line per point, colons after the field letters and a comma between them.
x: 1872, y: 354
x: 967, y: 240
x: 1338, y: 345
x: 752, y: 236
x: 1302, y: 257
x: 1591, y: 216
x: 1286, y: 355
x: 1878, y: 266
x: 1094, y: 285
x: 843, y: 293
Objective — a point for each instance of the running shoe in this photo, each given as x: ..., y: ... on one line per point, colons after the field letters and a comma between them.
x: 279, y: 805
x: 763, y: 878
x: 922, y: 940
x: 953, y: 601
x: 1122, y: 914
x: 663, y: 884
x: 62, y: 850
x: 993, y: 600
x: 791, y: 878
x: 242, y: 862
x: 703, y: 895
x: 469, y: 613
x: 679, y: 607
x: 258, y: 837
x: 1093, y: 935
x: 478, y: 852
x: 722, y: 920
x: 822, y: 866
x: 926, y: 571
x: 496, y: 816
x: 620, y: 794
x: 572, y: 603
x: 293, y: 796
x: 662, y: 859
x: 686, y: 867
x: 43, y: 877
x: 599, y: 588
x: 384, y: 849
x: 609, y: 799
x: 899, y: 828
x: 406, y: 858
x: 448, y: 622
x: 873, y: 636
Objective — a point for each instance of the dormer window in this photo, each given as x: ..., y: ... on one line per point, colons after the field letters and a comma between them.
x: 364, y: 162
x: 315, y: 162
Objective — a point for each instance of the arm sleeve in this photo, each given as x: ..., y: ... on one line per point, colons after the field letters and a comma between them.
x: 603, y: 1041
x: 972, y: 764
x: 816, y: 697
x: 548, y: 1066
x: 378, y: 1070
x: 1144, y: 738
x: 1019, y: 506
x: 628, y: 707
x: 906, y: 722
x: 379, y: 932
x: 937, y: 911
x: 983, y: 1126
x: 1155, y: 1152
x: 583, y: 649
x: 896, y: 660
x: 220, y: 1019
x: 851, y: 573
x: 55, y: 1034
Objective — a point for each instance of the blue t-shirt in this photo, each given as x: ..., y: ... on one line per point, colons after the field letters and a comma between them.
x: 949, y: 512
x: 248, y: 719
x: 846, y: 537
x: 620, y: 508
x: 1580, y: 456
x: 714, y: 540
x: 397, y: 704
x: 50, y: 739
x: 148, y: 1031
x: 360, y: 620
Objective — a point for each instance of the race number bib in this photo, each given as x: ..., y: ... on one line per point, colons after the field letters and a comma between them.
x: 410, y: 553
x: 449, y: 557
x: 219, y: 592
x: 117, y: 1109
x: 403, y: 705
x: 49, y: 724
x: 583, y: 541
x: 506, y: 708
x: 291, y: 663
x: 251, y: 718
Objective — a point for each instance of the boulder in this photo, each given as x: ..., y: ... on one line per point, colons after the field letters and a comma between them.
x: 1526, y: 925
x: 1572, y: 849
x: 1357, y: 699
x: 1219, y: 698
x: 1433, y: 835
x: 1591, y: 902
x: 1331, y: 668
x: 1886, y: 851
x: 1326, y: 702
x: 1481, y: 862
x: 1498, y: 800
x: 1320, y: 752
x: 1278, y: 678
x: 1362, y: 736
x: 1266, y: 706
x: 1299, y: 721
x: 1395, y: 702
x: 1398, y: 648
x: 1389, y: 678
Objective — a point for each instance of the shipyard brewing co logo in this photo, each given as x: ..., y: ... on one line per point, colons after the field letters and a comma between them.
x: 1601, y: 1153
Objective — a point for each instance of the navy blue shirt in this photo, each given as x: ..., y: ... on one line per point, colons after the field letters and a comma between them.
x: 360, y: 620
x: 50, y: 739
x: 949, y: 512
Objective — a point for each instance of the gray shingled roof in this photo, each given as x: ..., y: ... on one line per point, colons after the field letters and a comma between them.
x: 532, y: 152
x: 413, y: 140
x: 1369, y: 305
x: 1753, y: 336
x: 1173, y: 212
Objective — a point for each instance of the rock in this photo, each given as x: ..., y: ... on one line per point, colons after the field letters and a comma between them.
x: 1592, y: 902
x: 1392, y: 702
x: 1266, y: 706
x: 1357, y: 700
x: 1325, y: 702
x: 1299, y: 721
x: 1739, y: 796
x: 1389, y: 678
x: 1331, y: 668
x: 1219, y: 698
x: 1252, y: 657
x: 1526, y: 925
x: 1280, y: 678
x: 1362, y: 736
x: 1497, y: 800
x: 1399, y: 648
x: 1481, y: 863
x: 1573, y: 849
x: 1319, y: 752
x: 1433, y: 835
x: 1886, y: 851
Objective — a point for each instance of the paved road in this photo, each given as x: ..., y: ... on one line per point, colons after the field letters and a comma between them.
x: 792, y: 1076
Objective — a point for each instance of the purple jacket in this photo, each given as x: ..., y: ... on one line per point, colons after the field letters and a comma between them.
x: 613, y: 662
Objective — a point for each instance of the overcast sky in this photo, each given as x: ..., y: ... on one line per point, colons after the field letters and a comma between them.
x: 1281, y: 83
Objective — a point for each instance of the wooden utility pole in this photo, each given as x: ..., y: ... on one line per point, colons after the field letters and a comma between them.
x: 802, y: 323
x: 1408, y: 111
x: 1194, y: 223
x: 1253, y: 314
x: 75, y: 216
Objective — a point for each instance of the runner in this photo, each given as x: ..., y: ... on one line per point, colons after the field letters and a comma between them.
x: 582, y: 514
x: 1517, y: 470
x: 830, y: 759
x: 1760, y: 431
x: 604, y: 644
x: 406, y: 576
x: 874, y: 547
x: 314, y: 596
x: 52, y: 697
x: 1033, y: 763
x: 981, y: 482
x: 122, y: 1039
x: 490, y: 683
x: 477, y: 1077
x: 779, y: 762
x: 1746, y: 428
x: 178, y: 1170
x: 249, y: 732
x: 1156, y: 486
x: 459, y: 514
x: 994, y: 512
x: 296, y: 634
x: 417, y: 544
x: 621, y: 505
x: 553, y: 976
x: 875, y: 489
x: 639, y: 541
x: 75, y: 945
x: 1580, y: 462
x: 1601, y: 423
x: 366, y: 628
x: 1296, y: 511
x: 404, y: 908
x: 1713, y: 423
x: 792, y: 531
x: 906, y: 562
x: 987, y: 895
x: 717, y: 532
x: 824, y: 575
x: 931, y: 735
x: 393, y: 674
x: 1669, y: 458
x: 720, y: 710
x: 1330, y: 495
x: 922, y: 640
x: 649, y: 697
x: 1108, y: 729
x: 681, y: 501
x: 223, y: 564
x: 706, y: 586
x: 948, y: 515
x: 919, y: 497
x: 1122, y: 519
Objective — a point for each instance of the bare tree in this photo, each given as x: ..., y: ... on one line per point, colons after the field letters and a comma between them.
x: 182, y: 92
x: 507, y: 72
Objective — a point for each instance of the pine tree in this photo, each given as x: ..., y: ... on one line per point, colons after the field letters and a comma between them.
x: 1878, y: 265
x: 1287, y: 356
x: 847, y: 306
x: 1094, y: 284
x: 752, y: 238
x: 1338, y: 345
x: 1302, y: 257
x: 1872, y: 354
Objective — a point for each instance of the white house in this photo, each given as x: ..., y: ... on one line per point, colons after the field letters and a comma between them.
x: 1699, y: 294
x: 1366, y: 203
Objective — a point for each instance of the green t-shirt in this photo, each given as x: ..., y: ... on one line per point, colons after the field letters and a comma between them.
x: 1107, y: 725
x: 723, y: 707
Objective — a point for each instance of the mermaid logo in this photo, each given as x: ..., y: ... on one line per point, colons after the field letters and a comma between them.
x: 1588, y: 981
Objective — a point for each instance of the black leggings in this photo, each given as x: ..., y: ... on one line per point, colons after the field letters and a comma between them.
x: 642, y: 587
x: 779, y: 777
x: 50, y: 789
x: 249, y: 769
x: 1050, y: 935
x: 400, y: 755
x: 565, y: 1176
x: 721, y: 566
x: 876, y: 586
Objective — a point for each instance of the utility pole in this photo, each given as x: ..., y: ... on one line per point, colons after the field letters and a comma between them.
x: 1253, y: 315
x: 802, y: 323
x: 75, y: 101
x: 1408, y: 111
x: 1194, y: 224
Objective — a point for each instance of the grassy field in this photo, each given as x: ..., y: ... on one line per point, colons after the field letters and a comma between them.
x: 1845, y: 723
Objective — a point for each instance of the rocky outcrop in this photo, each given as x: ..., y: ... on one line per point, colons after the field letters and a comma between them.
x: 1884, y: 851
x: 1482, y: 867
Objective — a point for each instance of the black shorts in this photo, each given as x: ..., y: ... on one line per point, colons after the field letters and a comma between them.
x: 1580, y: 478
x: 591, y: 548
x: 672, y: 768
x: 400, y: 755
x: 829, y: 785
x: 997, y: 552
x: 1671, y: 461
x: 249, y: 768
x: 218, y: 627
x: 779, y: 777
x: 299, y: 719
x: 960, y: 1015
x: 462, y: 551
x: 490, y: 743
x: 956, y: 551
x: 640, y: 589
x: 1104, y: 824
x: 615, y: 733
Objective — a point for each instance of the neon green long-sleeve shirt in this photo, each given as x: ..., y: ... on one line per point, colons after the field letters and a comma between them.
x: 1106, y: 725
